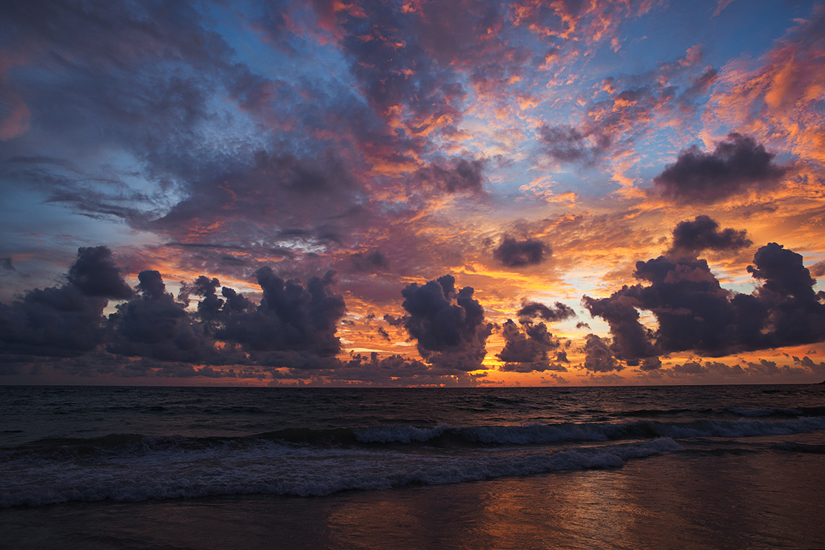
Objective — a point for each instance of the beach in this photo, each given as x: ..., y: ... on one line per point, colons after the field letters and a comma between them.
x: 708, y: 491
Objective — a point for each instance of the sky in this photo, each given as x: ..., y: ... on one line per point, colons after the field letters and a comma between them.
x: 412, y: 193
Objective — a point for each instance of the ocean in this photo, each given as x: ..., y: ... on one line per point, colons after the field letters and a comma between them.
x: 594, y: 467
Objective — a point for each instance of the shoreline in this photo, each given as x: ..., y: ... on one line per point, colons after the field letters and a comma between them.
x: 734, y: 500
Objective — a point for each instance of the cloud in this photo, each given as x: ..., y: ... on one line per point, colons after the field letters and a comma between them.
x: 454, y: 176
x: 55, y: 321
x: 294, y: 327
x: 372, y: 261
x: 736, y: 165
x: 210, y: 306
x: 651, y: 363
x: 531, y: 310
x: 695, y: 313
x: 155, y: 326
x: 631, y: 340
x: 276, y: 199
x: 692, y: 237
x: 447, y: 323
x: 290, y: 317
x: 795, y: 312
x: 761, y: 371
x: 513, y: 253
x: 818, y: 269
x: 397, y: 370
x: 527, y: 351
x: 574, y: 21
x: 95, y: 274
x: 816, y: 368
x: 625, y: 110
x: 66, y: 320
x: 597, y: 355
x: 566, y: 144
x: 778, y: 99
x: 388, y: 57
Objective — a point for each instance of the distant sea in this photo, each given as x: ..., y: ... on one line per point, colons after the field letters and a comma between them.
x: 640, y: 467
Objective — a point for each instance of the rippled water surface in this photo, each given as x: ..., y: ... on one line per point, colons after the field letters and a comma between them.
x: 90, y: 451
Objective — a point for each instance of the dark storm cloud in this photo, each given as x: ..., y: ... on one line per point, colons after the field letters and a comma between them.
x: 532, y: 310
x: 736, y: 165
x: 527, y: 351
x: 65, y: 320
x: 693, y: 310
x: 692, y: 237
x: 55, y: 321
x: 696, y: 314
x: 796, y: 314
x: 513, y: 253
x: 155, y: 326
x: 597, y: 355
x: 447, y: 323
x: 235, y: 303
x: 651, y: 363
x: 293, y: 327
x: 631, y: 340
x: 210, y: 306
x: 95, y: 274
x: 7, y: 264
x: 290, y: 317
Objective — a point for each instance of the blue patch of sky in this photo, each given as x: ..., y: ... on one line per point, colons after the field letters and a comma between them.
x: 304, y: 59
x: 744, y: 28
x: 43, y: 225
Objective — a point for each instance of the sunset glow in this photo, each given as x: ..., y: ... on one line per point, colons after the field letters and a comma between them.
x: 408, y: 193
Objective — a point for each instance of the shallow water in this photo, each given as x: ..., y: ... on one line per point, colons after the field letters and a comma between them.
x: 717, y: 467
x: 729, y: 501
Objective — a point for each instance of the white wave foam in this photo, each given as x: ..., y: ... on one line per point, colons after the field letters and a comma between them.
x: 286, y: 471
x: 398, y: 434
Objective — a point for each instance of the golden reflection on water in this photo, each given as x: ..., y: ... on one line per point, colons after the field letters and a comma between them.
x: 727, y: 501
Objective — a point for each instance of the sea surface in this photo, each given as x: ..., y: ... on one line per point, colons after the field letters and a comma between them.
x: 632, y: 467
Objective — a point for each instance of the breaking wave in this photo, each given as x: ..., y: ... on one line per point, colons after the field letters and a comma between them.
x: 275, y: 468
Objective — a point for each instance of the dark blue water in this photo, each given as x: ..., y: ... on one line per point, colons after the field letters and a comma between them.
x: 78, y: 444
